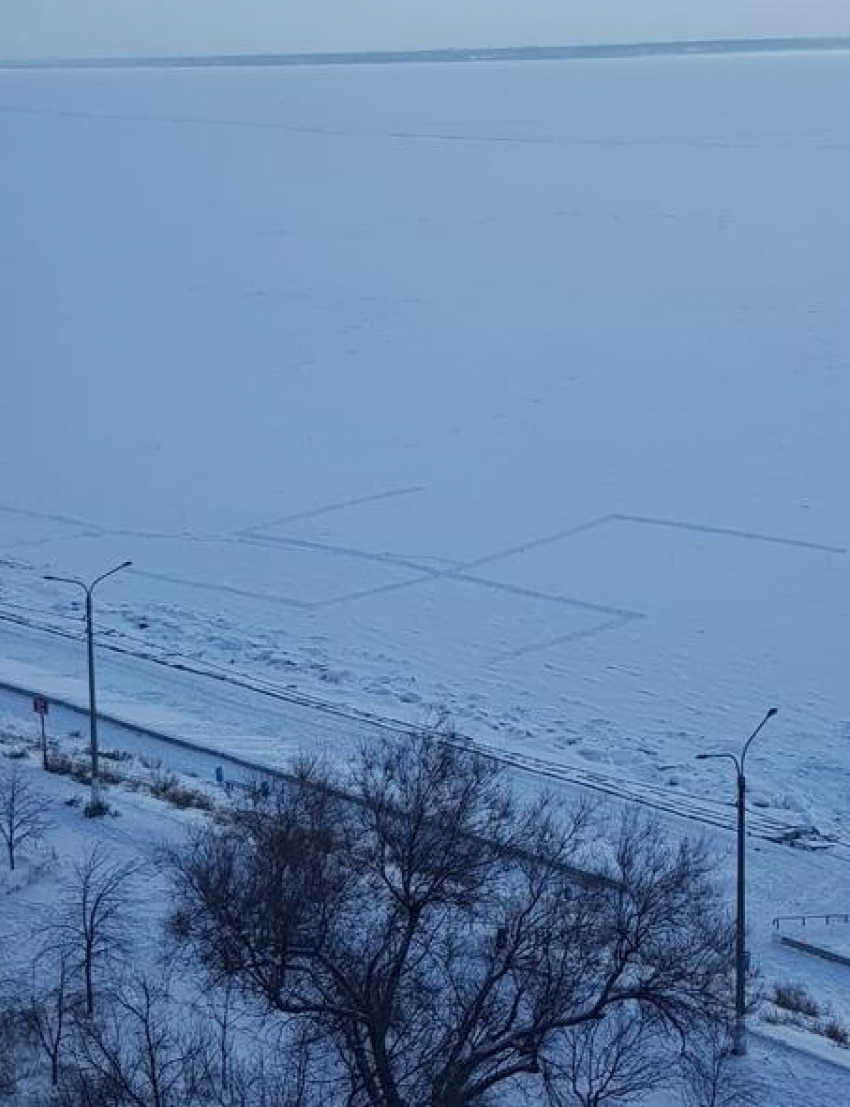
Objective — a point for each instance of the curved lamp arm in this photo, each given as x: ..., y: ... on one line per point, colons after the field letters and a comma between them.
x: 112, y: 572
x: 721, y: 757
x: 766, y: 719
x: 67, y: 580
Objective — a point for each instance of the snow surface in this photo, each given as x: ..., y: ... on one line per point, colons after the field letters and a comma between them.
x: 518, y: 389
x: 795, y: 1068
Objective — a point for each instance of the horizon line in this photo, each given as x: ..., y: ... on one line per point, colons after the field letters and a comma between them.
x: 673, y: 47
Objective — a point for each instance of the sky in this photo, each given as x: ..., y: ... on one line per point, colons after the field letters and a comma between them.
x: 87, y: 28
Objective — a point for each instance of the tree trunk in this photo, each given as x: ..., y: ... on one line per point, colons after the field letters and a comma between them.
x: 89, y: 987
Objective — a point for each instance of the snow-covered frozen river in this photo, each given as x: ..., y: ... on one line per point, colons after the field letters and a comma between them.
x: 515, y: 389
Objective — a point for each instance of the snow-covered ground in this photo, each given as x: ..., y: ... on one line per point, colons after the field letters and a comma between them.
x: 802, y: 1068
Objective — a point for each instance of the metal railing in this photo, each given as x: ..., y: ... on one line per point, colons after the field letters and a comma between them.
x: 835, y: 917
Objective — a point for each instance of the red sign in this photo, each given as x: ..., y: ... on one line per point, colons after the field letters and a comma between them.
x: 39, y: 705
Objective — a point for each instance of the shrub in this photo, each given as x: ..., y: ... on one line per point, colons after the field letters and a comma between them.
x: 836, y: 1032
x: 796, y: 997
x: 59, y: 763
x: 80, y: 772
x: 116, y: 755
x: 168, y: 788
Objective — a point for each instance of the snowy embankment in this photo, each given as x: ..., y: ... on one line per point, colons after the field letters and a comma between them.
x: 154, y: 806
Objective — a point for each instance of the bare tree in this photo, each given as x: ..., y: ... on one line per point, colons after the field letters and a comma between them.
x: 713, y: 1076
x: 254, y: 1081
x: 222, y: 1016
x: 617, y: 1059
x: 437, y: 937
x: 49, y: 1012
x: 23, y: 811
x: 137, y: 1052
x: 92, y: 925
x: 15, y: 1039
x: 141, y: 1050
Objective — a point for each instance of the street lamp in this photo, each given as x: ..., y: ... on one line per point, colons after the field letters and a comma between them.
x: 89, y: 589
x: 739, y: 1040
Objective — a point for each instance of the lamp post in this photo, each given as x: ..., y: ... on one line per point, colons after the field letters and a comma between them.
x: 89, y: 589
x: 739, y: 1039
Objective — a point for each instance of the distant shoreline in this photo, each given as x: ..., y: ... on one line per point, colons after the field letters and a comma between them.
x: 707, y: 47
